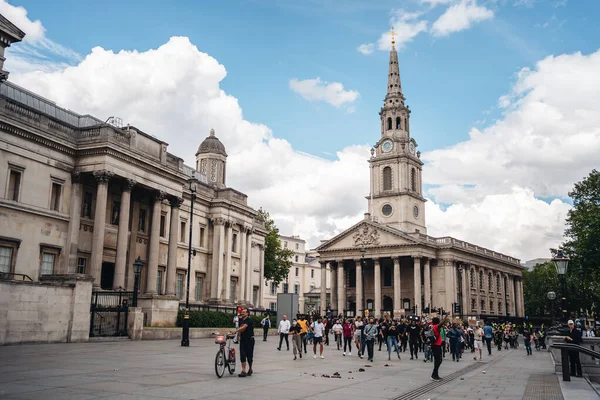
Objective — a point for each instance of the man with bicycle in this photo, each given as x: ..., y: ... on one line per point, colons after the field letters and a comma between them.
x: 246, y: 339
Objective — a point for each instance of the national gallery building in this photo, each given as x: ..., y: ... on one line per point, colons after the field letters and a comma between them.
x: 80, y: 195
x: 388, y: 264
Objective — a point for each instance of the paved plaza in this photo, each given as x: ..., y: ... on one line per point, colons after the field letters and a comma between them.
x: 163, y: 370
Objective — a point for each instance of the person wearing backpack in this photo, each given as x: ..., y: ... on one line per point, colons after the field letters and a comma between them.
x: 266, y: 324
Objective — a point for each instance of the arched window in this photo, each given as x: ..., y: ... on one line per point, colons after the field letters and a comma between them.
x: 398, y: 122
x: 413, y: 183
x: 387, y: 178
x: 473, y: 305
x: 490, y: 281
x: 480, y: 280
x: 389, y: 120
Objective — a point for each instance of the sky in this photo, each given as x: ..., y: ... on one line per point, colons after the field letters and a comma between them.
x: 503, y: 96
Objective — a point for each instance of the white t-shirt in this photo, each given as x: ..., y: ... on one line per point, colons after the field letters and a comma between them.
x: 357, y: 325
x: 337, y: 328
x: 318, y: 328
x: 478, y: 333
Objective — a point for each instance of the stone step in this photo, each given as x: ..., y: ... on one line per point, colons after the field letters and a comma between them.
x: 96, y: 339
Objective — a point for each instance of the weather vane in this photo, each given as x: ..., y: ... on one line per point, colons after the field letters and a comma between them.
x: 393, y: 39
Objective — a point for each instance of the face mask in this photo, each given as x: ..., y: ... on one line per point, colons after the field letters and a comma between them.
x: 295, y: 323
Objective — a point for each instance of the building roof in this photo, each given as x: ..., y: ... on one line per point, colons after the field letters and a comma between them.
x: 212, y: 145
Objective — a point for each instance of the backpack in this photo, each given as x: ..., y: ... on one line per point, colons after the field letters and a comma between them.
x: 430, y: 337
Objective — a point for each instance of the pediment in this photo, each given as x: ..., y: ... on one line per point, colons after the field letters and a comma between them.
x: 367, y: 234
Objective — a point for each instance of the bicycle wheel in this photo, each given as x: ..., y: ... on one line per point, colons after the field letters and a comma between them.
x: 220, y: 363
x: 231, y: 365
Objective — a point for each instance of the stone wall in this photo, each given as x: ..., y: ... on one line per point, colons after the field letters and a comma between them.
x: 56, y: 309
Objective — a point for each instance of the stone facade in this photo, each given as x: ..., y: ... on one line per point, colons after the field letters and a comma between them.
x: 81, y: 195
x: 388, y: 263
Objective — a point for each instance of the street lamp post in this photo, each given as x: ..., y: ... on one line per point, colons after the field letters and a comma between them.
x: 185, y: 333
x: 552, y: 297
x: 137, y: 270
x: 561, y: 262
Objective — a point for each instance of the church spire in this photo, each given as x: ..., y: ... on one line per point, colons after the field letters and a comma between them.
x: 394, y: 88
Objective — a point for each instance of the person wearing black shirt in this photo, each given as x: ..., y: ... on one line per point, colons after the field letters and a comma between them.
x: 414, y: 331
x: 574, y: 338
x: 402, y: 336
x: 246, y: 338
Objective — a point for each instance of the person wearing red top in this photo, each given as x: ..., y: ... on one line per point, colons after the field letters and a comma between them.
x: 436, y: 348
x: 348, y: 329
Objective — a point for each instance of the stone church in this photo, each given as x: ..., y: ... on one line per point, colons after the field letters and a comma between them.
x: 81, y: 195
x: 388, y: 264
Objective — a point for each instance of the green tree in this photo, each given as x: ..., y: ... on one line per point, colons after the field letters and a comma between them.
x: 278, y: 260
x: 536, y: 285
x: 583, y: 245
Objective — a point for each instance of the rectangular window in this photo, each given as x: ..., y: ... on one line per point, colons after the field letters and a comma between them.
x: 86, y: 207
x: 285, y: 287
x: 182, y: 231
x: 47, y: 263
x: 14, y: 185
x: 273, y: 306
x: 273, y: 290
x: 297, y: 246
x: 81, y: 262
x: 387, y: 277
x: 114, y: 214
x: 285, y: 244
x: 142, y: 221
x: 55, y: 196
x: 297, y: 288
x: 163, y: 220
x: 297, y: 271
x: 179, y: 286
x: 234, y: 243
x: 296, y: 258
x: 198, y: 294
x: 232, y: 290
x: 6, y: 259
x: 312, y: 273
x: 159, y: 281
x: 201, y: 238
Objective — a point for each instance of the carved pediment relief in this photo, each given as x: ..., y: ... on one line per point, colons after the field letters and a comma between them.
x: 366, y: 236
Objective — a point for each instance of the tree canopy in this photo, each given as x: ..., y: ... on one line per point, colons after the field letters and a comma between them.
x: 536, y: 285
x: 278, y: 260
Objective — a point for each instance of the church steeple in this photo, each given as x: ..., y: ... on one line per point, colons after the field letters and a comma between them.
x: 394, y: 87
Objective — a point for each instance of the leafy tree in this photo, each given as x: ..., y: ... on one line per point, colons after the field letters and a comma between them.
x: 278, y: 260
x: 536, y: 285
x: 583, y: 245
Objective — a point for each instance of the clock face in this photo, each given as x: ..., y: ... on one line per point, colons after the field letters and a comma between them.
x: 411, y: 147
x: 415, y: 211
x: 386, y: 146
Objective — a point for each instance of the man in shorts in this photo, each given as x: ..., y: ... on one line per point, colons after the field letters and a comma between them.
x: 246, y: 339
x: 478, y: 342
x: 318, y: 329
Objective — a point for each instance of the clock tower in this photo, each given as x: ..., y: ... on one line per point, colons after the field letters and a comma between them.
x: 396, y: 197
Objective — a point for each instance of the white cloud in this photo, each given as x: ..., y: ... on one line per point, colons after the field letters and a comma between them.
x: 366, y: 48
x: 37, y: 52
x: 315, y: 89
x: 406, y: 25
x: 435, y: 3
x: 459, y: 17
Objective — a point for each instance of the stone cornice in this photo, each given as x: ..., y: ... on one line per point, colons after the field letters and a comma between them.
x: 13, y: 205
x: 4, y: 126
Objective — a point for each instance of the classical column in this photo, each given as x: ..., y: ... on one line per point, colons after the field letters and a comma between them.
x: 478, y: 288
x: 334, y: 289
x: 122, y: 235
x: 227, y: 274
x: 173, y: 239
x: 102, y: 178
x: 521, y: 297
x: 154, y: 243
x: 249, y: 270
x: 216, y: 285
x: 377, y: 284
x: 70, y: 262
x: 261, y: 287
x: 448, y: 277
x: 323, y: 294
x: 417, y: 284
x: 427, y: 284
x: 242, y: 273
x: 341, y: 300
x: 513, y: 302
x: 397, y: 286
x: 130, y: 275
x: 359, y: 289
x: 464, y: 271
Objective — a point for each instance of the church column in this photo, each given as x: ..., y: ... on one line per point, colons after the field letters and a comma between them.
x: 217, y: 259
x: 102, y: 178
x: 249, y: 270
x: 172, y: 257
x: 397, y: 288
x: 359, y: 289
x: 417, y: 284
x: 227, y: 274
x: 427, y: 278
x: 242, y: 273
x: 154, y: 243
x: 70, y: 262
x: 323, y: 294
x: 122, y: 235
x: 334, y: 288
x: 341, y: 288
x: 377, y: 283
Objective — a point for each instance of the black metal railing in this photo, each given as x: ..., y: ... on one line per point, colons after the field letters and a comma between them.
x: 109, y: 313
x: 102, y: 299
x: 225, y: 309
x: 565, y: 348
x: 10, y: 276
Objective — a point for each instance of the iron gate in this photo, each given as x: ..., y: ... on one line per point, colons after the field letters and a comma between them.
x: 109, y: 312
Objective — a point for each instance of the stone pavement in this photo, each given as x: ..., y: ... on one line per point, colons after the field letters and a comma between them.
x: 163, y: 370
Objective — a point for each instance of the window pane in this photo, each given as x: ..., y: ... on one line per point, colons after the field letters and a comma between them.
x: 55, y: 197
x: 5, y: 259
x: 47, y: 263
x: 14, y: 185
x: 232, y: 288
x: 86, y: 207
x: 198, y: 289
x: 179, y: 286
x: 81, y: 265
x: 162, y: 225
x: 159, y: 280
x: 182, y: 232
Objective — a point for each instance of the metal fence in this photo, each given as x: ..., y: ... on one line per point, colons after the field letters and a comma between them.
x: 225, y: 309
x: 109, y: 312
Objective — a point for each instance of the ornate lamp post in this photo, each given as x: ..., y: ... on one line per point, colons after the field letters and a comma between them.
x: 137, y: 270
x: 561, y: 262
x: 552, y: 297
x: 185, y: 333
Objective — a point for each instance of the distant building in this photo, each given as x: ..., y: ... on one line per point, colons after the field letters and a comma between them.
x: 532, y: 263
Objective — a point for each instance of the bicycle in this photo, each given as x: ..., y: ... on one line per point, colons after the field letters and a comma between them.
x: 224, y: 358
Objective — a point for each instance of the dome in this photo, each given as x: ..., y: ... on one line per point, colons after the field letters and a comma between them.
x: 212, y: 145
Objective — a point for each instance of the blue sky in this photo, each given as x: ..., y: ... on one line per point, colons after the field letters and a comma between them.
x: 451, y: 83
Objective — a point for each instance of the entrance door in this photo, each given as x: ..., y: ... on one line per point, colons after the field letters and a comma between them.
x: 388, y: 304
x: 107, y: 276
